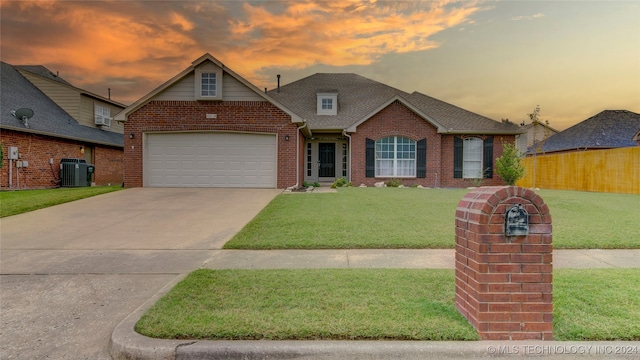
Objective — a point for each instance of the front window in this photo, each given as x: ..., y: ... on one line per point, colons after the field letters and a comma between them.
x: 327, y: 104
x: 209, y: 85
x: 395, y: 156
x: 472, y: 155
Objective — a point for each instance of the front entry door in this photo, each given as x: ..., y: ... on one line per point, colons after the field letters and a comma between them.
x: 327, y: 160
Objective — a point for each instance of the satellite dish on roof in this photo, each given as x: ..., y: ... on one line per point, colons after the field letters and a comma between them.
x: 23, y: 114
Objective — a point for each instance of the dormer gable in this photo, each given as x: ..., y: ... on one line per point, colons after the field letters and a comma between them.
x: 208, y: 81
x: 327, y: 102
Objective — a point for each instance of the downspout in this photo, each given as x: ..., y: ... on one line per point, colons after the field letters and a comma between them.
x: 298, y: 153
x: 344, y: 132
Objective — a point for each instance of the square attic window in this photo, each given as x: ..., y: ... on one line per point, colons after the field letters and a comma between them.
x: 208, y: 82
x: 208, y: 85
x: 327, y: 103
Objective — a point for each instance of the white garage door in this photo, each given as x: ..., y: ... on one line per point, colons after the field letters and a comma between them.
x: 210, y: 160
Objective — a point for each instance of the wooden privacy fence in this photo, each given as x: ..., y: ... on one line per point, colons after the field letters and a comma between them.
x: 613, y: 170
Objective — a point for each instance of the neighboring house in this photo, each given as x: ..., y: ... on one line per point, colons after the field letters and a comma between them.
x: 606, y: 130
x: 535, y: 133
x: 67, y: 122
x: 636, y: 138
x: 209, y: 127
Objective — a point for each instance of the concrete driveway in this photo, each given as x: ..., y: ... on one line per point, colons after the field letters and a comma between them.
x: 71, y: 273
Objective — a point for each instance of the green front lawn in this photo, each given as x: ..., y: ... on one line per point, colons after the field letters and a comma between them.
x: 354, y: 218
x: 394, y: 304
x: 424, y: 218
x: 18, y: 202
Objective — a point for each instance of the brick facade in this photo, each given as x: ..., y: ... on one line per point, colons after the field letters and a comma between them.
x: 109, y: 164
x: 38, y: 149
x: 396, y: 119
x: 504, y: 284
x: 231, y: 116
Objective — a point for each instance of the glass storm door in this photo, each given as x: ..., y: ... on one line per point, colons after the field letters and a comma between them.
x: 327, y: 159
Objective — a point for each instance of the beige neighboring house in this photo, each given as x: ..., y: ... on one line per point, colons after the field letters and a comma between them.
x: 64, y: 122
x: 87, y: 108
x: 535, y: 133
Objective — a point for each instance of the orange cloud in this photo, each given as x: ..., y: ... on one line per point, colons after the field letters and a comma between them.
x: 91, y: 42
x: 178, y: 19
x: 137, y: 45
x: 340, y: 33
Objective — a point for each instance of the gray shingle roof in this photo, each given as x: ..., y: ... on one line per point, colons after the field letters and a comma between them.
x: 458, y: 120
x: 358, y: 97
x: 44, y: 72
x: 608, y: 129
x: 48, y: 119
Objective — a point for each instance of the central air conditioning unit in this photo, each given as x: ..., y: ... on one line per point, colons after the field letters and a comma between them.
x: 73, y: 173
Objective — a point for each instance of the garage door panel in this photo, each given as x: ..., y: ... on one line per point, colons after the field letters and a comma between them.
x: 210, y: 160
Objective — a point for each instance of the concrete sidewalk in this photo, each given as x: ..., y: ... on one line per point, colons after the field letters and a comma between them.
x: 127, y: 344
x: 399, y: 258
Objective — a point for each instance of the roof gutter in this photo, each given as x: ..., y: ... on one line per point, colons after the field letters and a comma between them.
x: 481, y: 132
x: 298, y: 129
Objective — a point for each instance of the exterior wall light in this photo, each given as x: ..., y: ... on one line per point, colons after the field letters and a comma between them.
x: 131, y: 135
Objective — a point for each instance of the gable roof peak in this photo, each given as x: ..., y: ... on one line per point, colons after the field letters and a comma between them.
x: 206, y: 57
x: 122, y: 116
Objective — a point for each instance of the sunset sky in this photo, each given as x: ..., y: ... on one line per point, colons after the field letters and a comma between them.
x: 496, y: 58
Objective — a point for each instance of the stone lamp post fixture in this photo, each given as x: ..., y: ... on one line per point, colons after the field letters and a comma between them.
x: 504, y: 263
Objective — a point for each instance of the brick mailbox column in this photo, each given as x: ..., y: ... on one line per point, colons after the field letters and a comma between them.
x: 503, y: 263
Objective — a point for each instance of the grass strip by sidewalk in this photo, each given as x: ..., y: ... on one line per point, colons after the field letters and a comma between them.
x: 356, y: 304
x: 352, y: 304
x: 377, y: 218
x: 597, y: 304
x: 18, y: 202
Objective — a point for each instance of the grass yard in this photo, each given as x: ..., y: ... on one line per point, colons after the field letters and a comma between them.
x: 591, y: 220
x: 597, y: 304
x: 350, y: 304
x: 424, y: 218
x: 354, y: 218
x: 18, y: 202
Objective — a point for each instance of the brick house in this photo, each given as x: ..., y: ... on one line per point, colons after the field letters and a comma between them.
x: 369, y: 132
x: 209, y: 127
x: 67, y: 122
